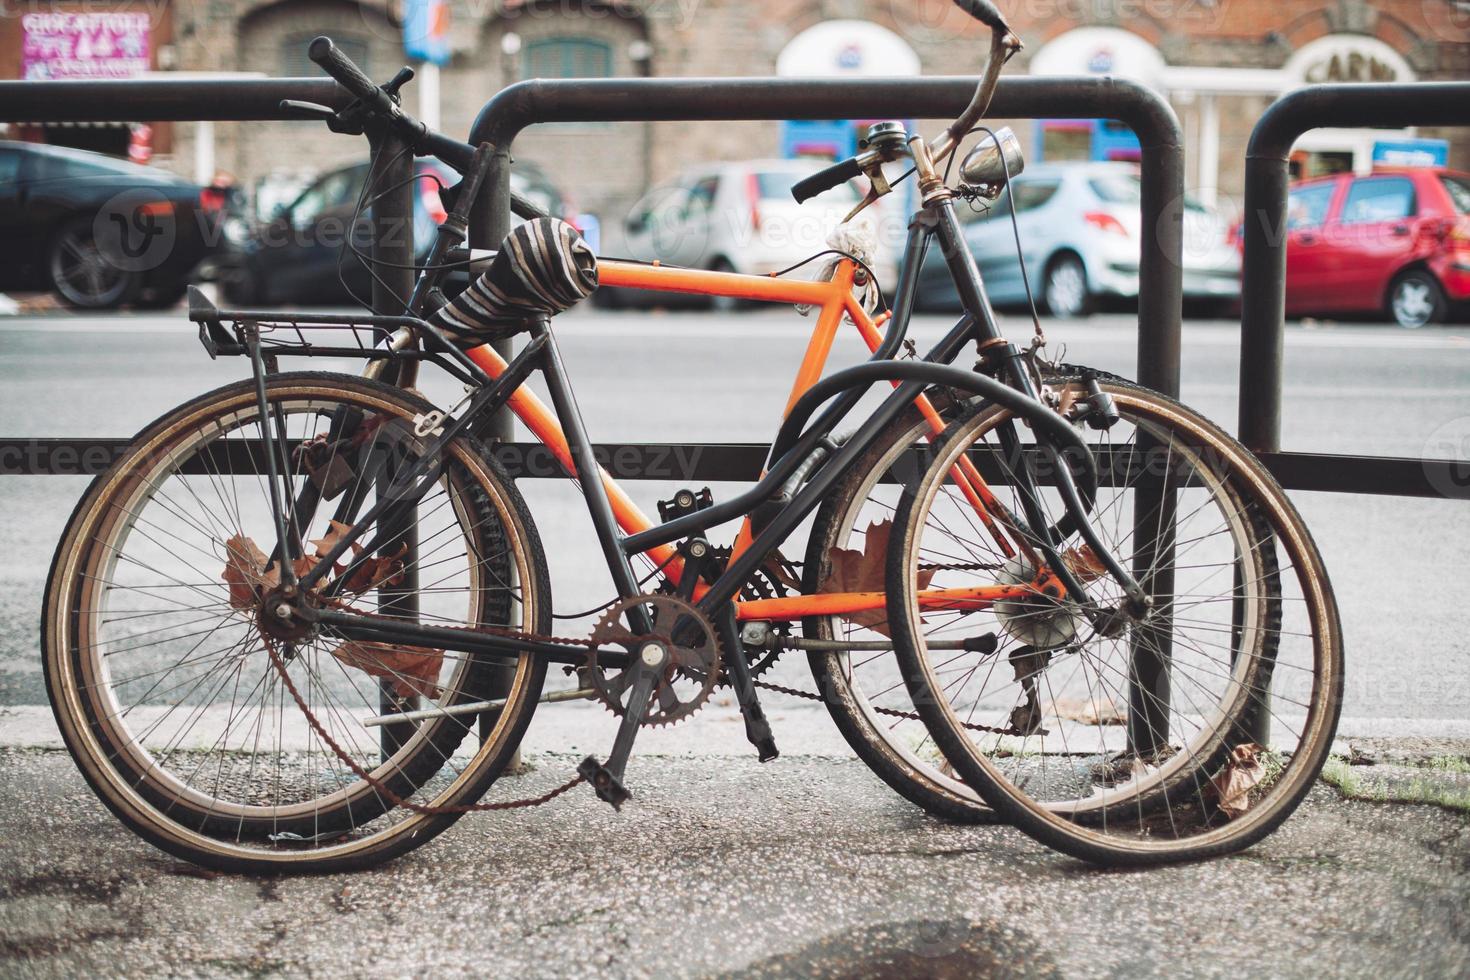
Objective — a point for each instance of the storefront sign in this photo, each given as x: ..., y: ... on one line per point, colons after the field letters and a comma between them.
x: 1412, y: 153
x: 1352, y: 66
x: 84, y: 45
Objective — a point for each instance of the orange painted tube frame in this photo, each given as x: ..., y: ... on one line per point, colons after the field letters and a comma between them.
x: 834, y: 298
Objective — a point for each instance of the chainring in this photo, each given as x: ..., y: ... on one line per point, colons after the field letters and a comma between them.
x: 688, y: 678
x: 771, y: 580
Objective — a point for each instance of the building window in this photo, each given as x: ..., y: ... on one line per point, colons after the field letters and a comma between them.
x: 567, y: 57
x: 295, y: 63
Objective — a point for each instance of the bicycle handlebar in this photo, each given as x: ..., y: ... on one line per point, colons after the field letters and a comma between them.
x: 826, y: 179
x: 332, y: 61
x: 985, y: 12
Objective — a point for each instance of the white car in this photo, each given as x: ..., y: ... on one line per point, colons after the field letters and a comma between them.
x: 740, y: 217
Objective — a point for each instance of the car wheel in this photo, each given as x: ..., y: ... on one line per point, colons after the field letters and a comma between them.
x: 1415, y: 300
x: 725, y: 304
x: 1065, y: 289
x: 240, y: 285
x: 81, y: 274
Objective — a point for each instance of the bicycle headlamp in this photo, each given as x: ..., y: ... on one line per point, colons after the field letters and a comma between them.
x: 989, y: 163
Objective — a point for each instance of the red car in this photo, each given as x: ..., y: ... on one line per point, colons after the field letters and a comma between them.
x: 1394, y: 242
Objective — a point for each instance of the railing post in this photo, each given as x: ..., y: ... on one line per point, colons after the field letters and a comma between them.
x: 1263, y: 270
x: 390, y: 191
x: 489, y: 224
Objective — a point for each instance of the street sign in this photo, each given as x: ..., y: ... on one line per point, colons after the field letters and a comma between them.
x: 426, y: 30
x: 1412, y: 152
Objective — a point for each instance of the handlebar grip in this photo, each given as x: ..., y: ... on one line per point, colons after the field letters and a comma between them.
x: 826, y: 179
x: 985, y: 12
x: 332, y: 61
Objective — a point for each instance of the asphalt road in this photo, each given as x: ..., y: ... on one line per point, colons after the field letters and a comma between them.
x: 650, y: 376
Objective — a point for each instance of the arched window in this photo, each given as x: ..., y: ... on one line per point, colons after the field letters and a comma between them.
x: 295, y: 63
x: 567, y: 57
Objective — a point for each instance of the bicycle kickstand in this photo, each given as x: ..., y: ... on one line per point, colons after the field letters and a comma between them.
x: 757, y: 729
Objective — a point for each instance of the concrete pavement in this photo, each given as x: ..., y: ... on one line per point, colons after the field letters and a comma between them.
x: 807, y: 867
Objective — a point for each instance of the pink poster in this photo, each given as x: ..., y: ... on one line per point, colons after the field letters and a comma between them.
x: 85, y: 45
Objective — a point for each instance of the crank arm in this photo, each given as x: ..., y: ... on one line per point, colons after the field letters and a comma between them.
x: 607, y: 780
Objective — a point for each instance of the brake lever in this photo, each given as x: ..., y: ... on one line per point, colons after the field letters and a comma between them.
x: 306, y: 110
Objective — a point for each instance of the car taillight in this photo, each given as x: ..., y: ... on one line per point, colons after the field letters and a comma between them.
x: 158, y: 209
x: 429, y: 194
x: 1105, y: 221
x: 753, y: 195
x: 212, y: 200
x: 1459, y: 233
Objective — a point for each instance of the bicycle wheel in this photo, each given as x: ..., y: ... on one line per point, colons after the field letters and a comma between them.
x: 155, y: 663
x: 1125, y: 744
x: 863, y: 689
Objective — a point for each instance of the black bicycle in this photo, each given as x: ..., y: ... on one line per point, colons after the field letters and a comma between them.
x: 304, y: 620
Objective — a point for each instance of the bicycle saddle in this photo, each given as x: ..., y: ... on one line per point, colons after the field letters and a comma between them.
x: 542, y: 268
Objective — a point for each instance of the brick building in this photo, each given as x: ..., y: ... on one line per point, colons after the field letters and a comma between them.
x: 1220, y: 62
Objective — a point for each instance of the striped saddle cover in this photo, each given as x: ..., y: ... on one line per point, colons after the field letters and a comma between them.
x: 542, y: 268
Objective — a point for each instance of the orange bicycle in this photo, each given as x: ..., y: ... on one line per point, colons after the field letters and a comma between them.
x: 1029, y: 589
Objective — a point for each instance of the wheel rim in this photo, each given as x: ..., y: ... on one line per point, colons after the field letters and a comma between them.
x: 143, y: 736
x: 871, y: 680
x: 1066, y: 288
x: 1303, y: 677
x: 82, y: 274
x: 1413, y: 303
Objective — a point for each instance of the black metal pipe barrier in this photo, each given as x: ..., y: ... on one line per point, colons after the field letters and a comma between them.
x: 683, y: 99
x: 164, y: 99
x: 1263, y: 285
x: 1160, y: 294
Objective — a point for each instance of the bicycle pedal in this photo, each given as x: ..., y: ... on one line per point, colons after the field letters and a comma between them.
x: 609, y: 788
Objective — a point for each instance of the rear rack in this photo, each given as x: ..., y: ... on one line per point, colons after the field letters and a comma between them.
x: 362, y: 335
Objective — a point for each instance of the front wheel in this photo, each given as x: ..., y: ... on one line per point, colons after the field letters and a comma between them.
x: 156, y: 622
x: 1193, y: 732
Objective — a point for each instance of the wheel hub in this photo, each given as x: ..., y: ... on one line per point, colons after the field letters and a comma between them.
x: 1041, y: 621
x: 278, y: 616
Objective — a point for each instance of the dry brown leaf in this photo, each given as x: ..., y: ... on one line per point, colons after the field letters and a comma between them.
x: 1084, y: 563
x: 377, y: 572
x: 245, y: 572
x: 412, y: 670
x: 335, y: 532
x: 1089, y: 712
x: 1232, y: 784
x: 865, y: 571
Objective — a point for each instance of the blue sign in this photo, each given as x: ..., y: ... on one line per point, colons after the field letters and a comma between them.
x: 1412, y: 153
x: 426, y: 30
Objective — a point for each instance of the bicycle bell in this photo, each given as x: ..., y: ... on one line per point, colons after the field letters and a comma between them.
x: 886, y: 137
x: 983, y: 167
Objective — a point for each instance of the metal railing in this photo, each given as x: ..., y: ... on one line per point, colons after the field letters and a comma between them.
x: 1263, y: 282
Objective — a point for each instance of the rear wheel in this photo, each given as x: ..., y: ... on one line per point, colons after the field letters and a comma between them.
x: 1065, y: 289
x: 1115, y: 741
x: 1416, y: 300
x: 155, y: 654
x: 81, y: 273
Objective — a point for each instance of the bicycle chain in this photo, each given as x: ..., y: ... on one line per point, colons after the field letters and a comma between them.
x: 395, y: 799
x: 377, y: 785
x: 892, y: 712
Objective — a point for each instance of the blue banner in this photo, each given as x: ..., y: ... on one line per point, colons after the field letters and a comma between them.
x: 426, y: 30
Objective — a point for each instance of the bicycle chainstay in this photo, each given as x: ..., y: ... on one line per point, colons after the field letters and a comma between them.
x: 396, y: 799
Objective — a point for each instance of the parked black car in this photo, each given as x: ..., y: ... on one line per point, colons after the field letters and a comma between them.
x: 297, y: 255
x: 98, y: 231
